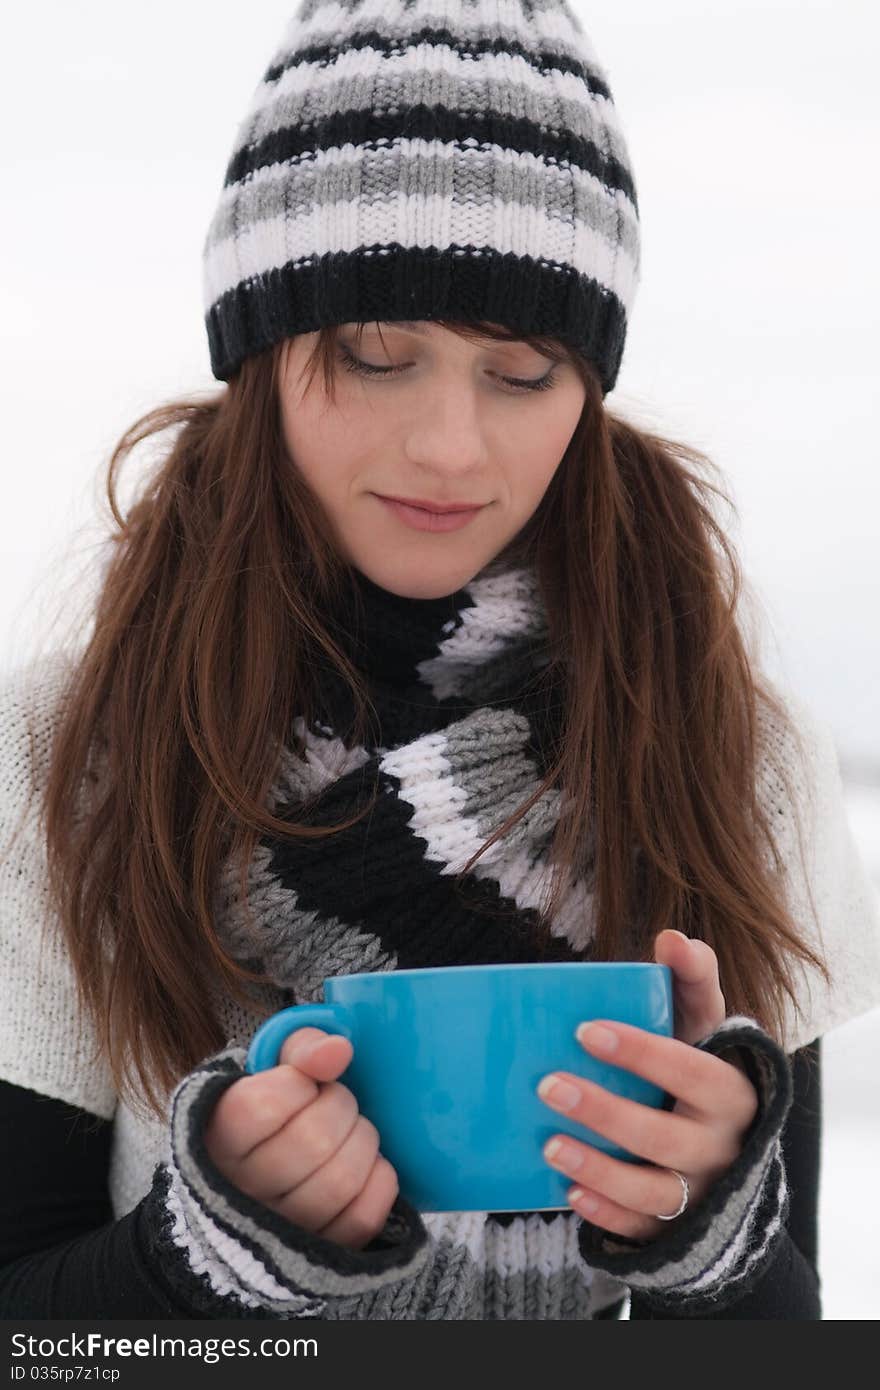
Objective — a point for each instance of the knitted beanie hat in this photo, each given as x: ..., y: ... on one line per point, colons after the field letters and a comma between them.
x: 426, y: 159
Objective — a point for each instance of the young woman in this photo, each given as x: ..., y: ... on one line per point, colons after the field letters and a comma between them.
x: 511, y: 715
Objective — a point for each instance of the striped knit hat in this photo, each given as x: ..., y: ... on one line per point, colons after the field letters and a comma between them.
x: 427, y: 159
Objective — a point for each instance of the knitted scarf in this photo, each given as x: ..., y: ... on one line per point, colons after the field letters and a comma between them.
x: 465, y: 727
x: 465, y: 723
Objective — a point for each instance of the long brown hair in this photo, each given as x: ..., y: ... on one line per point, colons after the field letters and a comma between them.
x: 203, y: 637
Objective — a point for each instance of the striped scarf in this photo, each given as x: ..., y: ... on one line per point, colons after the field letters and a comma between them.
x: 464, y: 723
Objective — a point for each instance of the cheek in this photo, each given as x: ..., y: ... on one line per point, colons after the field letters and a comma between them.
x: 315, y: 444
x: 539, y: 454
x: 549, y: 428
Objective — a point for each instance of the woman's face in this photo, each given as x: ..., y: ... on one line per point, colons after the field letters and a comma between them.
x: 446, y: 427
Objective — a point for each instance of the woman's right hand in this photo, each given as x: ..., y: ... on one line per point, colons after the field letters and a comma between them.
x: 293, y: 1138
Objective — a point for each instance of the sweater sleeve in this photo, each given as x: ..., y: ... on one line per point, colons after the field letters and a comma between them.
x: 218, y: 1245
x: 787, y: 1287
x: 63, y: 1255
x: 718, y: 1249
x: 46, y: 1043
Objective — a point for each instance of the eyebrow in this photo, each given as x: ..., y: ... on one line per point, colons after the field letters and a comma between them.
x: 407, y: 325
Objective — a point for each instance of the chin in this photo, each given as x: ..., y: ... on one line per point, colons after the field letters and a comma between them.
x: 423, y: 584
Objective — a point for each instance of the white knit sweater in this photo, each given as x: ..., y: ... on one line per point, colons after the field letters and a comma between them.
x: 46, y: 1047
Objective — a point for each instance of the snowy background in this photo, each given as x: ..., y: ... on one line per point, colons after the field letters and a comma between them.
x: 753, y: 131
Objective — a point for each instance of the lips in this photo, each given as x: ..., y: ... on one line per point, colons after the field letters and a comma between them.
x: 438, y: 508
x: 421, y: 519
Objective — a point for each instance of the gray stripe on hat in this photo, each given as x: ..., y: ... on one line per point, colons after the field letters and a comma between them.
x: 502, y: 84
x: 560, y: 192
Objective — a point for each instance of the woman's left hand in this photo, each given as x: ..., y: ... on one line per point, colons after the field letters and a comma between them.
x: 700, y: 1137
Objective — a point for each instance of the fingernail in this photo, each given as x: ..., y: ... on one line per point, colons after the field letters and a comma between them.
x: 596, y: 1038
x: 585, y: 1202
x: 559, y: 1093
x: 567, y: 1156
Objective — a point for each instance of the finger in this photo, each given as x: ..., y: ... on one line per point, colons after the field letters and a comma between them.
x: 255, y: 1108
x: 619, y: 1221
x: 663, y: 1137
x: 365, y: 1217
x: 699, y: 1002
x: 320, y: 1055
x: 297, y: 1150
x: 639, y: 1188
x: 321, y: 1198
x: 707, y: 1085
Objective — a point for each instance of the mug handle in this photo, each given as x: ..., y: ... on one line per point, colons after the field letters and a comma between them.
x: 266, y: 1043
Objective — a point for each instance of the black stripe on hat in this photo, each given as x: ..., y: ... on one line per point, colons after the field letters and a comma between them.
x: 417, y: 283
x: 363, y: 127
x: 542, y: 59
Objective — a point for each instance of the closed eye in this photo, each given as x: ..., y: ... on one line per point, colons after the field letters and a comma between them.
x: 519, y: 384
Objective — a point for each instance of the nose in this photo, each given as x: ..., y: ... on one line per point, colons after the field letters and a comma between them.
x: 448, y: 434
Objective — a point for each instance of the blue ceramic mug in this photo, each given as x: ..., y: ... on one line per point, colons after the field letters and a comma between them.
x: 447, y: 1061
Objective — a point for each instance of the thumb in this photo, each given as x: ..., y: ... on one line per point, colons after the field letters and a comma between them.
x: 699, y: 1002
x: 322, y: 1056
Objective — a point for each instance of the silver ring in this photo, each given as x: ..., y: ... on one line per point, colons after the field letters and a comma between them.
x: 684, y: 1196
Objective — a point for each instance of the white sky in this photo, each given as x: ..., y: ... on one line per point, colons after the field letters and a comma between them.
x: 753, y: 130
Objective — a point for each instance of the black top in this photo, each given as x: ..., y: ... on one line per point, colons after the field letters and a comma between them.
x: 62, y: 1255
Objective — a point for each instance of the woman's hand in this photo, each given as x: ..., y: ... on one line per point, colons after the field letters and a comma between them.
x: 700, y: 1137
x: 293, y: 1138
